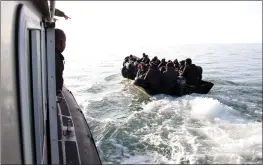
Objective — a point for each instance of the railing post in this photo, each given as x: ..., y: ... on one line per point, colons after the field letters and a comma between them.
x: 51, y: 83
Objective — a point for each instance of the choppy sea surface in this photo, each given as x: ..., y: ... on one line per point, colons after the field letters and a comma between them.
x: 224, y: 126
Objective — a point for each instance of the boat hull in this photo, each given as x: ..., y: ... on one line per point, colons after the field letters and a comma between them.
x: 181, y: 89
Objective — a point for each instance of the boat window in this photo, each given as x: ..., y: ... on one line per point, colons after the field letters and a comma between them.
x: 37, y: 94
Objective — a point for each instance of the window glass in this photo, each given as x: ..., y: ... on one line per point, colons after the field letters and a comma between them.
x: 36, y: 72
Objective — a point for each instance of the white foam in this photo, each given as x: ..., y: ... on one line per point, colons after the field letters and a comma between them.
x: 147, y: 158
x: 223, y: 134
x: 191, y: 128
x: 208, y: 108
x: 139, y: 159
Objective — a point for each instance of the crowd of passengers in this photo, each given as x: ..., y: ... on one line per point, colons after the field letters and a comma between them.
x: 163, y: 74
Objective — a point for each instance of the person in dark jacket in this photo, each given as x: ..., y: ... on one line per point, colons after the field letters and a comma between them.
x: 137, y: 62
x: 176, y: 64
x: 200, y: 71
x: 131, y: 70
x: 162, y: 69
x: 192, y: 73
x: 181, y: 66
x: 60, y: 45
x: 163, y: 63
x: 169, y: 78
x: 131, y: 58
x: 156, y: 60
x: 146, y: 59
x: 126, y: 59
x: 153, y: 77
x: 143, y: 56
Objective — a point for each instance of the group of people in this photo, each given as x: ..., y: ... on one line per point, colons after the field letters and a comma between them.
x: 161, y: 75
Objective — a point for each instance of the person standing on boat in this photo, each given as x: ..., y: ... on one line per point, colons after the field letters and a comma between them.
x: 191, y: 72
x: 60, y: 45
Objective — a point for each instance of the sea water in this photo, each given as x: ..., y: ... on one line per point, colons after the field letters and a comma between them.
x: 223, y: 126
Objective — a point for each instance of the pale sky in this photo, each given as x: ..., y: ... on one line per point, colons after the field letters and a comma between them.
x: 161, y: 23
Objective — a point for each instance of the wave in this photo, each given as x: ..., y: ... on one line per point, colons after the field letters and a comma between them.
x: 220, y: 127
x: 175, y: 130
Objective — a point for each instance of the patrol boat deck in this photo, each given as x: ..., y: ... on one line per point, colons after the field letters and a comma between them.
x: 76, y: 144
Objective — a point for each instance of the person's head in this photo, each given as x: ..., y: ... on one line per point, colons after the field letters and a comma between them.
x: 188, y: 61
x: 144, y: 55
x: 182, y: 62
x: 169, y: 64
x: 60, y: 40
x: 163, y: 60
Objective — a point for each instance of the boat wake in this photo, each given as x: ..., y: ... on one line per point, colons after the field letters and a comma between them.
x: 191, y: 129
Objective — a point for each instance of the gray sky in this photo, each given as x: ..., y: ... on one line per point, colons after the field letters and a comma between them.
x: 162, y: 23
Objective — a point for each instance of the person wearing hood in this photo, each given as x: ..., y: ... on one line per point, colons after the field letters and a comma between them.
x: 192, y: 73
x: 169, y: 78
x: 153, y: 77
